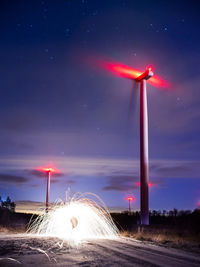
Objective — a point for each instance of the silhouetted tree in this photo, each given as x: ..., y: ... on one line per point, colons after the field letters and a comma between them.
x: 12, y: 206
x: 8, y: 200
x: 8, y: 204
x: 164, y: 213
x: 175, y: 212
x: 171, y: 213
x: 158, y: 213
x: 154, y: 213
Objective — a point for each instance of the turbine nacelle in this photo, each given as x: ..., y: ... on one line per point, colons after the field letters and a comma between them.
x: 145, y: 75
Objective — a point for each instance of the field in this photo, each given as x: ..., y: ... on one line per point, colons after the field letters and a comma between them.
x: 177, y: 229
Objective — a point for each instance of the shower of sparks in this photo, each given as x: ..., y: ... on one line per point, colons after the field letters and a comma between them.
x: 77, y: 220
x: 9, y: 261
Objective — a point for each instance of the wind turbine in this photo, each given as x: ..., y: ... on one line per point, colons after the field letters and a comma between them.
x: 48, y: 171
x: 144, y: 153
x: 141, y: 78
x: 130, y: 199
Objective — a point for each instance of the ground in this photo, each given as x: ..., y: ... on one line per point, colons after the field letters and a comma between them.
x: 24, y: 250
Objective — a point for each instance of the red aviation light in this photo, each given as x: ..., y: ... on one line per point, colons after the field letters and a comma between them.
x: 150, y: 184
x: 150, y: 68
x: 47, y: 169
x: 129, y: 198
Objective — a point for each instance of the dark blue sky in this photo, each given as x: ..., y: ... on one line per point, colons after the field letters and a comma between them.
x: 55, y: 109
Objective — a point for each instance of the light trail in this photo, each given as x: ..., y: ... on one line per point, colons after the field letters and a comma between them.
x: 125, y: 71
x: 75, y: 221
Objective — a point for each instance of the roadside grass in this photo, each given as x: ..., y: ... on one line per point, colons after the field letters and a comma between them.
x: 12, y: 230
x: 178, y: 229
x: 165, y: 236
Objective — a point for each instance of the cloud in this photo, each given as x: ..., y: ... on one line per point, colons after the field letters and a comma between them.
x: 70, y: 182
x: 126, y: 183
x: 178, y: 109
x: 64, y: 181
x: 41, y: 174
x: 104, y: 167
x: 121, y: 183
x: 175, y: 169
x: 12, y: 179
x: 36, y: 207
x: 30, y: 206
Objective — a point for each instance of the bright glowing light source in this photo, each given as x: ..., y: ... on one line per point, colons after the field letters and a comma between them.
x: 75, y: 221
x: 150, y: 184
x: 131, y: 73
x: 150, y: 68
x: 130, y: 198
x: 47, y: 169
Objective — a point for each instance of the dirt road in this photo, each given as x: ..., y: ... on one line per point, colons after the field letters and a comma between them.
x: 23, y: 250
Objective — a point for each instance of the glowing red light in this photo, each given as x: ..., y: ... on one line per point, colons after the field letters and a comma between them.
x: 47, y: 169
x: 130, y: 198
x: 150, y: 68
x: 121, y: 70
x: 128, y: 72
x: 150, y: 184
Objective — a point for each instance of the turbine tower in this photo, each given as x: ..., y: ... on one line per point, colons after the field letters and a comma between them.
x: 144, y: 154
x: 125, y: 71
x: 48, y: 172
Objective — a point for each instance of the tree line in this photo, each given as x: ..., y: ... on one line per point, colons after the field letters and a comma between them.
x: 7, y: 204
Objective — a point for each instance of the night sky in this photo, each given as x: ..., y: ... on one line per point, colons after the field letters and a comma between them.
x: 58, y: 108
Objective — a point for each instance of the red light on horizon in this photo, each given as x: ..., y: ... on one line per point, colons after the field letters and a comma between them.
x: 129, y: 198
x: 47, y: 169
